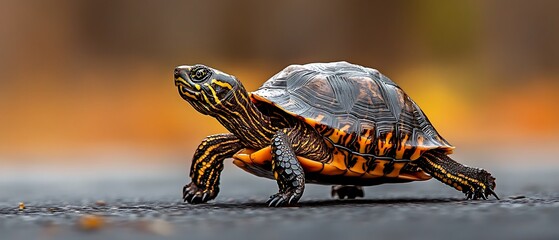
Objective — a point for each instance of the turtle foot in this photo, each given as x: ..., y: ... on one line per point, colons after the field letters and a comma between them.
x: 193, y: 194
x: 288, y: 198
x: 351, y: 192
x: 483, y: 188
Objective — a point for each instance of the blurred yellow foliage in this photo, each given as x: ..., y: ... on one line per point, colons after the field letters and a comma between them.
x: 81, y: 76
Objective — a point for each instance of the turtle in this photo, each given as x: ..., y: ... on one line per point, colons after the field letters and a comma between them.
x: 336, y: 123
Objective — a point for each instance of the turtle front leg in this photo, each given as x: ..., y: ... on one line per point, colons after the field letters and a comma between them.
x: 207, y: 165
x: 474, y: 182
x: 287, y: 170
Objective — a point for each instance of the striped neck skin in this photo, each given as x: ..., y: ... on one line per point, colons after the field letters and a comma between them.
x: 241, y: 117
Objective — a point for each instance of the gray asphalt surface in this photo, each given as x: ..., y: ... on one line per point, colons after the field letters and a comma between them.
x: 144, y: 204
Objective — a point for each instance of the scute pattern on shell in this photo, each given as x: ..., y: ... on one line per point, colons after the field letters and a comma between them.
x: 359, y: 101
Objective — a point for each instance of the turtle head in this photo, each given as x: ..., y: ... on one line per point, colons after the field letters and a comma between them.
x: 205, y: 88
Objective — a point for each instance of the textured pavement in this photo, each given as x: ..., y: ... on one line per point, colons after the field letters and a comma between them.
x: 146, y: 205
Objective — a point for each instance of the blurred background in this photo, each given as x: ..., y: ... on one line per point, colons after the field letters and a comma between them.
x: 89, y: 83
x: 90, y: 116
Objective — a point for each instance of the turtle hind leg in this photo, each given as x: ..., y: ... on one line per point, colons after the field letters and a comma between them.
x: 474, y: 182
x: 351, y: 192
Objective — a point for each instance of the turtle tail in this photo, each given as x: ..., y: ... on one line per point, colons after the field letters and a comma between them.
x: 474, y: 182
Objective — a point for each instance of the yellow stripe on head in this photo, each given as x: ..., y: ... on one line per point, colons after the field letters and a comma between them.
x: 217, y: 101
x: 186, y: 93
x: 222, y: 84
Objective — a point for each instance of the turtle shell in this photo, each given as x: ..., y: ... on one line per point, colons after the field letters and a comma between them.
x: 355, y: 107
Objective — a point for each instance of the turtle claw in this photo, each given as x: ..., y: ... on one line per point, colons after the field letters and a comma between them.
x: 481, y: 193
x: 490, y: 191
x: 275, y: 200
x: 283, y: 199
x: 192, y: 194
x: 205, y: 197
x: 290, y: 201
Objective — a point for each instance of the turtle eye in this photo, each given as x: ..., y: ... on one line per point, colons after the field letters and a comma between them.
x: 199, y: 74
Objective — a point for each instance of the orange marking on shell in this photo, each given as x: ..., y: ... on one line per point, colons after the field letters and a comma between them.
x: 358, y: 168
x: 415, y: 176
x: 239, y: 163
x: 349, y: 138
x: 242, y: 159
x: 396, y: 171
x: 364, y: 141
x: 310, y: 165
x: 324, y: 168
x: 243, y: 155
x: 419, y: 149
x: 385, y: 144
x: 250, y: 156
x: 402, y: 148
x: 352, y: 174
x: 253, y: 161
x: 337, y: 165
x: 312, y: 122
x: 262, y: 156
x: 378, y: 171
x: 338, y: 160
x: 335, y: 136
